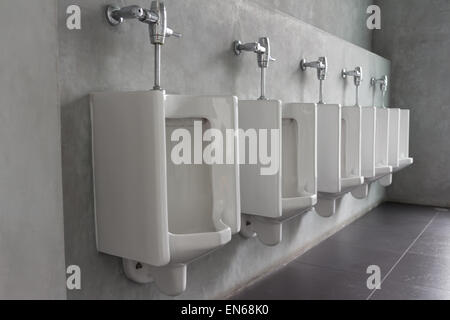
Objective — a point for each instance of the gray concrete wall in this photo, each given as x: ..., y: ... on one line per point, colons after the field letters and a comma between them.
x: 345, y: 19
x: 100, y: 57
x: 415, y: 35
x: 31, y: 218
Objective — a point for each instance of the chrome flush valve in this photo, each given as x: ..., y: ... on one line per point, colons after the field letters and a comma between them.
x: 321, y: 65
x: 383, y: 81
x: 357, y: 79
x: 356, y: 74
x: 262, y: 50
x: 156, y: 18
x: 322, y: 68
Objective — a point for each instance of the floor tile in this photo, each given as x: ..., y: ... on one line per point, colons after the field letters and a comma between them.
x: 439, y: 229
x: 391, y: 290
x: 421, y: 270
x: 406, y: 211
x: 390, y: 217
x: 443, y: 218
x: 306, y: 282
x: 343, y: 256
x: 433, y: 243
x: 375, y: 238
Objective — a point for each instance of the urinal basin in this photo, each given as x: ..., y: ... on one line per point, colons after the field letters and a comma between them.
x: 339, y: 148
x: 145, y: 207
x: 297, y: 204
x: 186, y: 247
x: 352, y: 181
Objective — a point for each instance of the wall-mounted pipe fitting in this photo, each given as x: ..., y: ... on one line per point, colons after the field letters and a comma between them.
x: 356, y: 74
x: 322, y: 68
x: 156, y: 18
x: 383, y: 81
x: 357, y: 79
x: 321, y: 65
x: 262, y: 49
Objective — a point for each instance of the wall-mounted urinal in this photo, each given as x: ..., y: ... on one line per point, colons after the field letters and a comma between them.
x: 383, y: 170
x: 368, y: 127
x: 338, y: 148
x: 399, y: 139
x: 146, y: 210
x: 398, y: 133
x: 269, y: 197
x: 404, y: 158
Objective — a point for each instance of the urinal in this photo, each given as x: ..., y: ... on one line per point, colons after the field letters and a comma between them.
x: 273, y: 193
x: 383, y: 171
x: 394, y: 138
x: 338, y: 155
x: 146, y: 210
x: 338, y: 145
x: 404, y: 158
x: 367, y: 134
x: 269, y: 200
x: 399, y: 139
x: 368, y: 167
x: 383, y: 168
x: 368, y: 144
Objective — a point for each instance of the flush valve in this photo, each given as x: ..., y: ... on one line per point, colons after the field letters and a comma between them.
x: 383, y: 81
x: 357, y: 79
x: 262, y: 50
x: 322, y: 68
x: 156, y: 18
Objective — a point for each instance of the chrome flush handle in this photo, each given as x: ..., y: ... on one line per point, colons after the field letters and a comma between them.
x: 156, y: 18
x: 383, y: 81
x: 262, y: 50
x: 357, y: 79
x: 322, y: 68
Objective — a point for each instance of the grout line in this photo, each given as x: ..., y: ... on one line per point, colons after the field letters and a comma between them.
x: 403, y: 254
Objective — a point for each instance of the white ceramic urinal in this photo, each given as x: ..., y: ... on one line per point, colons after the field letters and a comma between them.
x: 368, y: 133
x: 270, y: 197
x: 383, y: 171
x: 394, y: 138
x: 146, y: 208
x: 338, y: 155
x: 404, y: 158
x: 399, y: 139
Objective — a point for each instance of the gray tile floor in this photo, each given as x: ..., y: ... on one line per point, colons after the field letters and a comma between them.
x: 410, y: 244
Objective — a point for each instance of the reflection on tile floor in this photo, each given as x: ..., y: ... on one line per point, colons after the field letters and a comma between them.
x: 410, y: 244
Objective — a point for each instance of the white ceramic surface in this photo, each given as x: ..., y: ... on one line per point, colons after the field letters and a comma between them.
x: 368, y: 134
x: 404, y: 158
x: 268, y: 200
x: 147, y: 209
x: 339, y: 155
